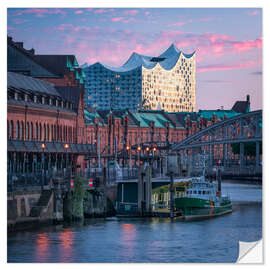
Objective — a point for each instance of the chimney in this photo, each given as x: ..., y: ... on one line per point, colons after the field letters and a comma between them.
x: 32, y: 51
x: 248, y: 98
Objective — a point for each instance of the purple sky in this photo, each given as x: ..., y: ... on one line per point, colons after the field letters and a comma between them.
x: 228, y: 42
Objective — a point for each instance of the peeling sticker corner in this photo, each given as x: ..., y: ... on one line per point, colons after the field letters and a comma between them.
x: 250, y: 252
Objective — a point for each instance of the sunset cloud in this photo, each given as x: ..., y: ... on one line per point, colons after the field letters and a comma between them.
x: 131, y: 12
x: 117, y: 19
x: 227, y: 67
x: 100, y: 10
x: 253, y: 13
x: 180, y: 23
x: 78, y: 12
x: 41, y: 12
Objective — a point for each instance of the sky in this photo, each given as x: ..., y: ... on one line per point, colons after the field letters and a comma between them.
x: 227, y: 41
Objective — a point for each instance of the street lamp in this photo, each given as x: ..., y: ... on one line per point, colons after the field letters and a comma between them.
x: 43, y: 146
x: 66, y: 146
x: 139, y: 153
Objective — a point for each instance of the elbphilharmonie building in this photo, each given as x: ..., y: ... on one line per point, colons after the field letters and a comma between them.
x: 166, y: 82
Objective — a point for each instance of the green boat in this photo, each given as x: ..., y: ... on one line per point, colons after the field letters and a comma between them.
x: 203, y: 199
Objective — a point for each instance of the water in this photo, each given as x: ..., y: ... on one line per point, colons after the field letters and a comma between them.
x: 147, y: 240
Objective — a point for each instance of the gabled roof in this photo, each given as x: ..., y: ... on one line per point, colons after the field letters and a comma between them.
x: 241, y: 106
x: 24, y: 61
x: 179, y: 118
x: 70, y: 93
x: 217, y: 113
x: 57, y: 64
x: 21, y: 82
x: 146, y: 117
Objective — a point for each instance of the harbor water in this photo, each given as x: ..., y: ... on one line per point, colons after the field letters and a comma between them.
x: 149, y: 240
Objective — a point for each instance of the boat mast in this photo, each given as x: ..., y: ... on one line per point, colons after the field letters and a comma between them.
x: 204, y: 164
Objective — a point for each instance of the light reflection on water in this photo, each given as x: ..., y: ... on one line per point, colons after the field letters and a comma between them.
x: 147, y: 240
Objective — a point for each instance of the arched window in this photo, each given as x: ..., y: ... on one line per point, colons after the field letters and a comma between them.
x: 31, y: 132
x: 48, y: 132
x: 40, y: 132
x: 11, y: 130
x: 36, y: 131
x: 27, y: 131
x: 17, y: 130
x: 60, y: 133
x: 22, y: 130
x: 8, y: 129
x: 65, y: 133
x: 57, y: 132
x: 52, y: 137
x: 44, y: 132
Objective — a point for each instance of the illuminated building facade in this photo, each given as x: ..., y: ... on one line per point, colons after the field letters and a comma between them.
x: 166, y: 82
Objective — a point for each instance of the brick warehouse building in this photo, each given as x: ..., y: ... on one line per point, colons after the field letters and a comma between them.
x: 46, y: 106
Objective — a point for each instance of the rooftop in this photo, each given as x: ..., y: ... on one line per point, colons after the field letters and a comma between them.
x: 166, y: 60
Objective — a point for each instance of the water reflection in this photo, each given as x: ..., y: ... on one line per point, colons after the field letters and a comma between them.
x: 128, y: 236
x: 147, y: 240
x: 66, y: 241
x: 42, y: 247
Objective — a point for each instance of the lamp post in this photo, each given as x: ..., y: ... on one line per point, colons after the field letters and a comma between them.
x: 139, y: 152
x: 43, y: 146
x: 66, y: 146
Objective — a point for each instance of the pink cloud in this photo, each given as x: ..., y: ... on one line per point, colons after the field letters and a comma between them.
x: 205, y: 19
x: 228, y: 67
x: 131, y: 12
x: 100, y: 10
x: 131, y: 19
x: 253, y: 13
x: 242, y: 46
x: 41, y: 12
x: 78, y: 12
x: 214, y: 37
x: 147, y: 12
x: 71, y: 28
x: 117, y: 19
x: 180, y: 23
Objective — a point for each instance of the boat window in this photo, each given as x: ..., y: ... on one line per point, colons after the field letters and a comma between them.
x: 195, y: 191
x: 199, y: 192
x: 203, y: 192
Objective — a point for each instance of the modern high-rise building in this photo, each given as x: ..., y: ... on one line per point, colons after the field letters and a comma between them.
x: 166, y: 82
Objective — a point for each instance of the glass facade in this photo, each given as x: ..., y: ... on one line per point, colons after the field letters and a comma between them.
x: 164, y: 83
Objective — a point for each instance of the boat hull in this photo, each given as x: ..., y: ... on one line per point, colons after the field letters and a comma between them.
x: 194, y: 208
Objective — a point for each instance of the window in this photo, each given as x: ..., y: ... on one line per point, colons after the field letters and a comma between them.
x: 40, y: 131
x: 44, y: 132
x: 17, y: 130
x: 36, y: 131
x: 27, y: 131
x: 11, y: 133
x: 31, y: 131
x: 48, y: 132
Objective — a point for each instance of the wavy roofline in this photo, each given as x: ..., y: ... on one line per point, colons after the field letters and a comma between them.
x: 167, y: 60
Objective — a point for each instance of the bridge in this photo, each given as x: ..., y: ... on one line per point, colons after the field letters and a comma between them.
x: 216, y: 139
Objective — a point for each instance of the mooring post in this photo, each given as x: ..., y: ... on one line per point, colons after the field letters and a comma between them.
x: 148, y: 189
x: 141, y: 191
x: 105, y: 191
x: 171, y: 196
